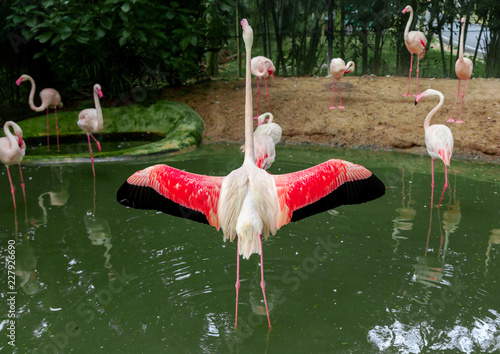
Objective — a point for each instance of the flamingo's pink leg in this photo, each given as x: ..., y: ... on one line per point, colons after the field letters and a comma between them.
x: 237, y: 285
x: 445, y: 184
x: 258, y: 95
x: 97, y: 142
x: 91, y: 156
x: 57, y: 128
x: 262, y: 283
x: 48, y: 130
x: 462, y: 103
x: 418, y: 68
x: 409, y: 77
x: 451, y: 120
x: 24, y: 195
x: 340, y: 94
x: 333, y: 92
x: 11, y: 188
x: 267, y: 96
x: 22, y: 183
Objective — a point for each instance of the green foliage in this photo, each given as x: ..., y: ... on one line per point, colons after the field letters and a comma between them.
x: 113, y: 42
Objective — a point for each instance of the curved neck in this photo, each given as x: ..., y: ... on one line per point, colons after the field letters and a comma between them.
x: 408, y: 24
x: 32, y: 96
x: 14, y: 144
x: 350, y: 67
x: 427, y: 121
x: 249, y: 154
x: 262, y: 118
x: 461, y: 46
x: 98, y: 109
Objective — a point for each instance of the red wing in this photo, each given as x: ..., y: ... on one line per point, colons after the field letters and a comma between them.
x: 323, y: 187
x: 175, y: 192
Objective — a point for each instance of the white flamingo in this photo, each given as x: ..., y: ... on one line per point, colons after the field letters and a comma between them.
x: 338, y: 68
x: 12, y: 150
x: 249, y: 202
x: 50, y: 99
x: 415, y: 42
x: 262, y: 67
x: 438, y: 139
x: 90, y: 121
x: 463, y: 69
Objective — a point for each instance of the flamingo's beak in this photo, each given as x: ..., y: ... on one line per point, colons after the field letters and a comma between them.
x: 404, y: 11
x: 270, y: 73
x: 18, y: 81
x: 20, y: 141
x: 99, y: 92
x: 244, y: 23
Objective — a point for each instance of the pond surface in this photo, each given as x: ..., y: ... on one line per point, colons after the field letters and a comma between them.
x: 391, y: 275
x: 76, y: 144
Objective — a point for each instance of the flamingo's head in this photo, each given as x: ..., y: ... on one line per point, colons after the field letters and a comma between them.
x: 20, y: 141
x: 247, y: 32
x: 462, y: 20
x: 406, y: 9
x: 98, y: 89
x: 419, y: 97
x: 21, y: 79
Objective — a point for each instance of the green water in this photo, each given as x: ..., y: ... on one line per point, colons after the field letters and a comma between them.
x: 358, y: 279
x: 78, y: 144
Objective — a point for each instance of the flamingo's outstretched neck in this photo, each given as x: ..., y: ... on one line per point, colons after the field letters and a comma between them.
x: 410, y: 19
x: 98, y: 94
x: 430, y: 92
x: 248, y: 39
x: 462, y: 35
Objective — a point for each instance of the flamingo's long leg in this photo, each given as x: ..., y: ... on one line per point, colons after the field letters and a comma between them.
x: 451, y: 120
x: 333, y: 92
x: 409, y: 77
x: 57, y: 128
x: 340, y: 94
x: 12, y: 188
x: 418, y: 69
x: 97, y: 142
x: 267, y: 96
x: 237, y: 284
x: 24, y: 195
x: 462, y: 104
x: 48, y: 131
x: 445, y: 184
x: 432, y: 183
x: 91, y: 156
x: 262, y: 283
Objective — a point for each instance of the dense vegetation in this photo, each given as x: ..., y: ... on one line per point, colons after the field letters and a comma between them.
x: 124, y: 44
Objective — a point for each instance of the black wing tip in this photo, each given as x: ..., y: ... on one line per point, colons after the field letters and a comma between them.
x: 144, y: 197
x: 353, y: 192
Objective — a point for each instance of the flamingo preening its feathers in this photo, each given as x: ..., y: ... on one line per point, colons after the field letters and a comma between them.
x: 249, y: 202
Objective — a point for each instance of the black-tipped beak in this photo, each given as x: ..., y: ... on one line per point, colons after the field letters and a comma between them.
x: 416, y: 102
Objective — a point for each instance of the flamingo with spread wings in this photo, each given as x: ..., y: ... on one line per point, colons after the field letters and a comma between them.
x: 250, y: 203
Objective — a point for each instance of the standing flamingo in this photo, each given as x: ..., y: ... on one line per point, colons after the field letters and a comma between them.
x: 262, y: 67
x: 338, y: 69
x: 50, y: 99
x: 415, y: 42
x: 438, y: 139
x: 90, y: 121
x: 463, y: 69
x: 265, y: 137
x: 249, y: 203
x: 12, y: 150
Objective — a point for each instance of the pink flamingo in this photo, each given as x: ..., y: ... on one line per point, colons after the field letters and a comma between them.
x: 90, y: 121
x: 262, y: 67
x: 50, y: 99
x: 270, y: 128
x: 463, y: 69
x: 249, y: 203
x: 438, y: 139
x: 12, y: 150
x: 338, y: 69
x: 415, y: 42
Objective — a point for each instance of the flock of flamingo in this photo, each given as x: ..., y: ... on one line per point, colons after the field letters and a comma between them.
x: 250, y: 203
